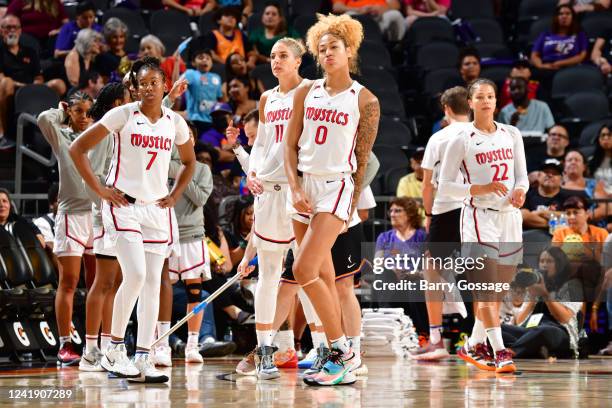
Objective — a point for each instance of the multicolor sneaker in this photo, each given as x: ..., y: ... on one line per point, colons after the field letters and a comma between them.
x: 286, y: 359
x: 67, y: 356
x: 478, y: 356
x: 309, y: 360
x: 148, y: 372
x: 503, y: 362
x: 431, y: 351
x: 337, y: 369
x: 91, y: 361
x: 320, y: 360
x: 266, y: 369
x: 247, y: 366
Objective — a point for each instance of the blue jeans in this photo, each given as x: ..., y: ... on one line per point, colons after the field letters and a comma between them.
x: 179, y: 310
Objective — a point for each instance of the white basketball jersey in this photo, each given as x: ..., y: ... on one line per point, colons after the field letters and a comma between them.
x: 327, y: 142
x: 142, y: 150
x: 277, y: 111
x: 493, y: 157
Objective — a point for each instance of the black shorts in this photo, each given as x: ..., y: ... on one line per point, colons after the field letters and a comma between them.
x: 346, y: 256
x: 444, y: 236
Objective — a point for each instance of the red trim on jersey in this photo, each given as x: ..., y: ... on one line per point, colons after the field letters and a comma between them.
x: 101, y: 235
x: 352, y: 150
x: 338, y: 198
x: 472, y: 134
x: 110, y: 168
x: 304, y: 215
x: 171, y: 235
x: 467, y: 173
x: 118, y: 159
x: 200, y: 264
x: 273, y: 240
x: 511, y: 253
x: 117, y: 227
x: 353, y: 92
x: 71, y: 237
x: 478, y: 233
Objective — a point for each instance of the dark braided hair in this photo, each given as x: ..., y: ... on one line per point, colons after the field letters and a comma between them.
x: 145, y: 63
x: 106, y: 98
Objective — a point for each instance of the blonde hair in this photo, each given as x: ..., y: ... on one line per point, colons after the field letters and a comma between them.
x: 296, y: 47
x: 349, y: 30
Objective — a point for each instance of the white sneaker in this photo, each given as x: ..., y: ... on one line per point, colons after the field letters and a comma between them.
x: 162, y: 356
x: 116, y: 362
x: 148, y: 372
x: 192, y: 354
x: 91, y: 361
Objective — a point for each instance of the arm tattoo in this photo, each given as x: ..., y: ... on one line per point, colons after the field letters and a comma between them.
x: 366, y: 133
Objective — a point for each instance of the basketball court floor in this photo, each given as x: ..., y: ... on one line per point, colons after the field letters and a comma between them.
x: 390, y: 383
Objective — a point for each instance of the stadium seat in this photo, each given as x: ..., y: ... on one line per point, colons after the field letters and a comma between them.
x: 472, y: 8
x: 393, y: 132
x: 263, y: 72
x: 391, y: 104
x: 534, y: 242
x: 596, y: 24
x: 537, y: 28
x: 588, y: 136
x: 374, y: 227
x: 488, y: 30
x: 497, y: 74
x: 304, y: 8
x: 575, y: 79
x: 131, y: 18
x: 371, y: 30
x: 429, y: 29
x: 34, y: 99
x: 539, y: 8
x: 373, y: 54
x: 493, y: 51
x: 101, y: 5
x: 392, y: 178
x: 170, y: 23
x: 207, y: 22
x: 586, y: 106
x: 303, y: 22
x: 377, y: 79
x: 390, y: 156
x: 436, y: 80
x: 437, y: 55
x: 311, y: 71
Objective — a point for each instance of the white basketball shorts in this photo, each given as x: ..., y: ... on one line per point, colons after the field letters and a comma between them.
x: 327, y: 194
x: 273, y: 229
x: 192, y: 262
x: 73, y: 234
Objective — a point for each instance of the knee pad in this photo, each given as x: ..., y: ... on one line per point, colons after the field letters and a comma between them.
x: 194, y: 292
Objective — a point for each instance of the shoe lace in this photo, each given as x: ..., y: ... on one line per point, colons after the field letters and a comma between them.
x: 335, y: 357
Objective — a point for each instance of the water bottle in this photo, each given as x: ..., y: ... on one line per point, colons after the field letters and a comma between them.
x: 562, y: 221
x: 552, y: 223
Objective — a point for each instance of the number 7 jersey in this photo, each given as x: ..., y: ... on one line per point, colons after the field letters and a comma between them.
x: 327, y: 143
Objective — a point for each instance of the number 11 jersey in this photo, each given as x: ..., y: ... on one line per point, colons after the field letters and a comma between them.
x: 327, y: 143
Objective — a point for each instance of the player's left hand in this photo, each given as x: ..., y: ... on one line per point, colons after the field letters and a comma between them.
x: 166, y: 202
x: 517, y: 199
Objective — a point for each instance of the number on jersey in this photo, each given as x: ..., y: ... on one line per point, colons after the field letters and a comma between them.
x: 280, y: 131
x: 504, y: 176
x: 153, y: 156
x: 321, y: 135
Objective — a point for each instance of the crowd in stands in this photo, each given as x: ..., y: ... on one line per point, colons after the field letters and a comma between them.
x: 225, y: 66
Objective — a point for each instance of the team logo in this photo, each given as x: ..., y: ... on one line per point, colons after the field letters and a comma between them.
x: 74, y: 334
x: 277, y: 187
x: 21, y: 334
x: 47, y: 333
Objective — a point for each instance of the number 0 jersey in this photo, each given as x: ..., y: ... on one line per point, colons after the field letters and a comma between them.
x: 142, y: 150
x: 327, y: 143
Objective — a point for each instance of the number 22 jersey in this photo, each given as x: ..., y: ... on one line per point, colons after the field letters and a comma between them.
x: 327, y: 143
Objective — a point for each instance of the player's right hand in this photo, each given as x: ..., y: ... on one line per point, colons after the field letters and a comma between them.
x: 254, y: 184
x: 497, y: 188
x: 113, y: 197
x: 231, y: 134
x: 244, y: 269
x: 300, y: 201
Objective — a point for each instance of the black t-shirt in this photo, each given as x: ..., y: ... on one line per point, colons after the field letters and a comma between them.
x: 23, y: 67
x: 533, y: 199
x: 106, y: 63
x: 537, y: 156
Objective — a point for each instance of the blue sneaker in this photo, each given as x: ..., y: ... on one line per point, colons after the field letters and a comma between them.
x: 309, y: 359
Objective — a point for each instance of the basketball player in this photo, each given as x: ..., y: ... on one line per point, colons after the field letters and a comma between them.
x: 442, y: 215
x: 73, y: 229
x: 491, y: 158
x: 136, y: 209
x: 328, y: 141
x: 99, y: 302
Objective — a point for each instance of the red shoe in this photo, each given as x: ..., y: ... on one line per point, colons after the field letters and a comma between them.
x: 286, y: 359
x: 478, y: 356
x: 67, y: 356
x: 503, y: 362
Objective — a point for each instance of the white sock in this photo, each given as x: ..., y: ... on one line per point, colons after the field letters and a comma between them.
x: 163, y: 327
x: 318, y: 338
x: 285, y: 340
x: 478, y: 334
x: 192, y: 338
x: 341, y: 344
x: 90, y: 343
x: 494, y: 334
x: 264, y: 337
x: 356, y: 344
x: 105, y: 339
x: 435, y: 334
x: 64, y: 339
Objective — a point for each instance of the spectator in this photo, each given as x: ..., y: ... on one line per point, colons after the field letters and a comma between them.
x: 80, y: 59
x: 90, y: 83
x: 600, y: 164
x: 416, y: 9
x: 207, y: 154
x: 226, y: 39
x: 411, y: 184
x: 109, y: 62
x: 564, y: 45
x: 40, y: 18
x: 221, y: 117
x: 203, y: 91
x: 521, y: 68
x: 468, y: 64
x: 239, y: 231
x: 85, y: 18
x: 552, y: 307
x: 239, y: 100
x: 193, y: 8
x: 557, y: 141
x: 546, y: 198
x: 274, y: 28
x: 19, y: 66
x: 576, y: 183
x: 46, y: 223
x: 250, y: 122
x: 528, y: 115
x: 243, y: 8
x: 151, y: 46
x: 236, y: 67
x: 587, y: 6
x: 8, y: 217
x: 584, y: 240
x: 605, y: 291
x: 601, y: 55
x: 386, y: 12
